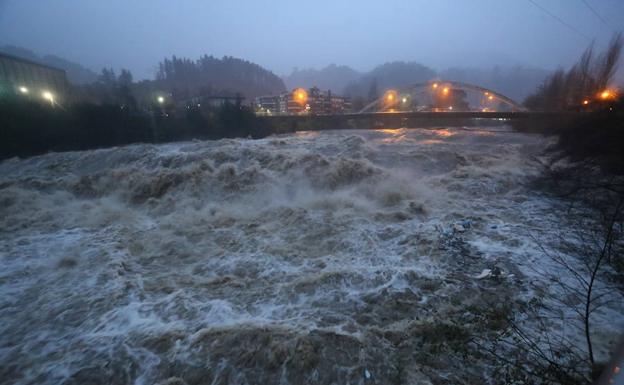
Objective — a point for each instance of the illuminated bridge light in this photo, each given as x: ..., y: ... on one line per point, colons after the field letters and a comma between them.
x: 390, y: 97
x: 585, y: 102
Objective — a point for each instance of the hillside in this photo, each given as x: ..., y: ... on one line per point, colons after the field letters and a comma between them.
x: 333, y: 77
x: 209, y: 75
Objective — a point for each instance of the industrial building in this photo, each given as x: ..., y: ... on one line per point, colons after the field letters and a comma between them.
x: 299, y: 101
x: 26, y: 77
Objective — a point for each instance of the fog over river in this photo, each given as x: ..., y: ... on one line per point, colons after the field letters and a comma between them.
x: 335, y: 257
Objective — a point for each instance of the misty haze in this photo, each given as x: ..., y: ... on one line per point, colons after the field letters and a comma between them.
x: 328, y: 192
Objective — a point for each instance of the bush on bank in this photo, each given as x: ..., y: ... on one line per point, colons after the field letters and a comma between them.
x: 29, y: 128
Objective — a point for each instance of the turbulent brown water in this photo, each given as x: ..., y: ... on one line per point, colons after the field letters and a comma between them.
x: 344, y: 257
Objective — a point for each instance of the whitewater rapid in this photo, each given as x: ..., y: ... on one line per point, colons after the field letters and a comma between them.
x: 317, y: 257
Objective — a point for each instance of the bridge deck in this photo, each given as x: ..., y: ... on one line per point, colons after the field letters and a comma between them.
x: 524, y: 121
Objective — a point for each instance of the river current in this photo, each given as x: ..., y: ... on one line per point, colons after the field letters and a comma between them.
x: 335, y: 257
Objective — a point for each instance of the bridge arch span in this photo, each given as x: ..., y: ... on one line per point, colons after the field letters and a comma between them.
x: 433, y: 87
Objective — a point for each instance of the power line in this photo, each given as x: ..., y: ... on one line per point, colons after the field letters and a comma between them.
x: 560, y: 20
x: 596, y: 13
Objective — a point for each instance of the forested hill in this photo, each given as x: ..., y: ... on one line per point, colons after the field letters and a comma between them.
x: 209, y: 75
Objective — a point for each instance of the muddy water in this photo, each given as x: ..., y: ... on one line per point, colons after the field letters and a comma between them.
x: 342, y: 257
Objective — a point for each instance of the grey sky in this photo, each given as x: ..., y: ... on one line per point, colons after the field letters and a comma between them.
x: 283, y: 34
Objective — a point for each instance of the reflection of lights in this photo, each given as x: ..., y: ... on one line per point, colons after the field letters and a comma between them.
x: 23, y: 90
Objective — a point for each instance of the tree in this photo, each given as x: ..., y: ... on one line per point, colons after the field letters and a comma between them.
x: 586, y: 79
x: 373, y: 93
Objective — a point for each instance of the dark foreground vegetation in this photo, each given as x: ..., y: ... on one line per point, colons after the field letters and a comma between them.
x: 29, y: 128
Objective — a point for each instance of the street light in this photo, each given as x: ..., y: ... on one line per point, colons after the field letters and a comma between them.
x: 23, y: 90
x: 47, y: 95
x: 445, y: 91
x: 434, y: 86
x: 300, y: 96
x: 608, y: 94
x: 390, y: 97
x: 161, y: 99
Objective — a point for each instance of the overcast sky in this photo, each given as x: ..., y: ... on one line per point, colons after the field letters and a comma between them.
x: 283, y: 34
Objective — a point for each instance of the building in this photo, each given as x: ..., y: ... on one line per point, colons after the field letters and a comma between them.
x: 22, y: 76
x: 267, y: 105
x: 315, y: 102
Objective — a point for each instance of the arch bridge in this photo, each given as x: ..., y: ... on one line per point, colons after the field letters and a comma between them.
x: 442, y: 96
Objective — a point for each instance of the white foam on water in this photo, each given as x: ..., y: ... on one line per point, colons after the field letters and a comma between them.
x: 104, y: 251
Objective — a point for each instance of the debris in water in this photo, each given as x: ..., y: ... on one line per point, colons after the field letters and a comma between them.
x: 484, y: 274
x: 459, y: 228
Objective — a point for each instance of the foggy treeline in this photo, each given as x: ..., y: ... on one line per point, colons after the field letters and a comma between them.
x: 515, y: 82
x: 208, y: 74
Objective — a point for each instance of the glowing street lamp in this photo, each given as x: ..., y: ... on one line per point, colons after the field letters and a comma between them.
x: 445, y: 90
x: 390, y: 97
x: 434, y: 86
x: 585, y: 102
x: 161, y: 99
x: 300, y: 96
x: 47, y: 95
x: 490, y: 97
x: 23, y: 90
x: 607, y: 94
